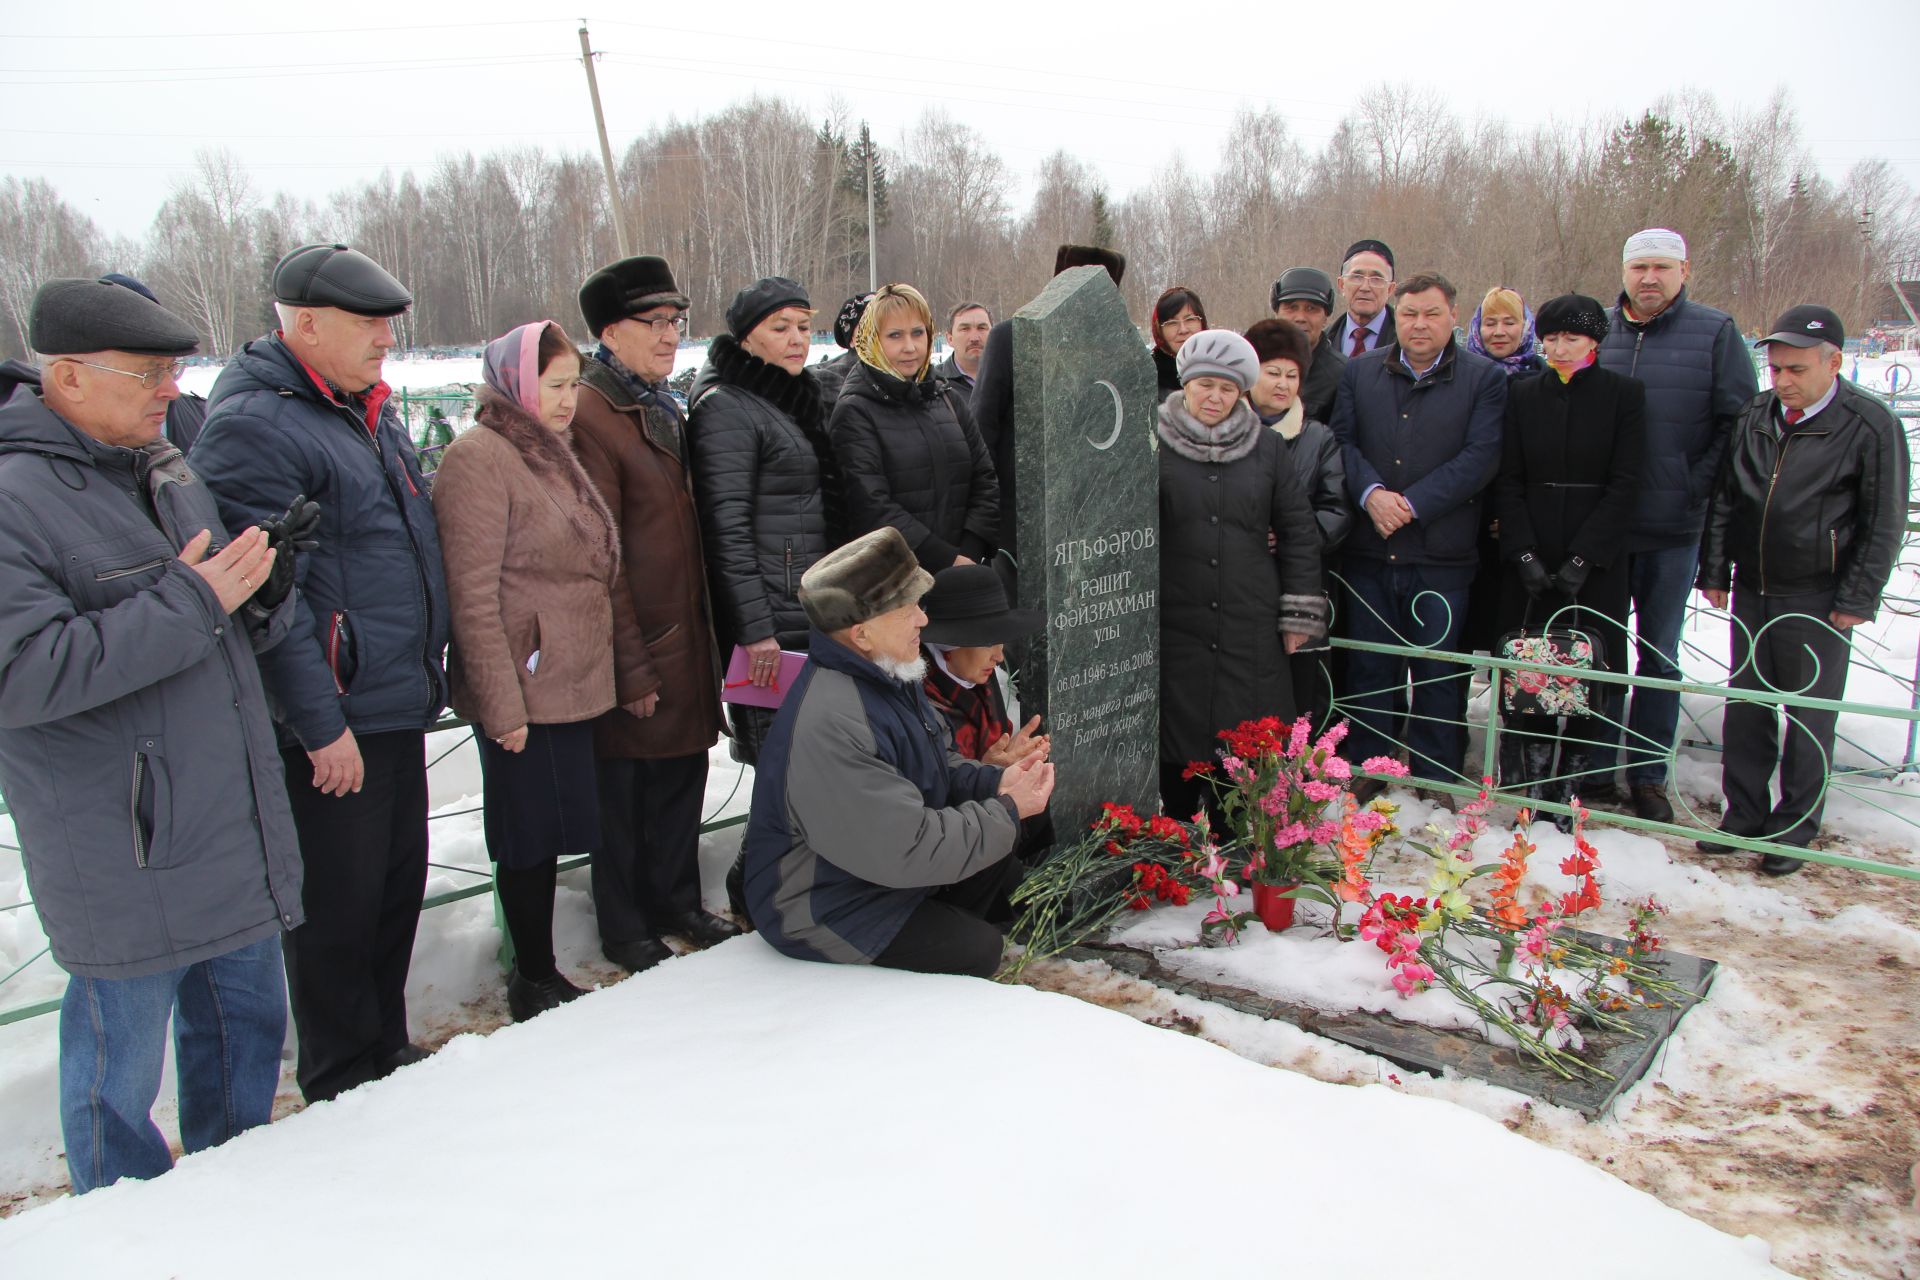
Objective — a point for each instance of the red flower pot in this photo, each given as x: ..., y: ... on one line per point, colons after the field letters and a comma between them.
x: 1275, y: 911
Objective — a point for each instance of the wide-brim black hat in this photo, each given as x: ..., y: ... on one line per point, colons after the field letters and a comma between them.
x: 968, y: 607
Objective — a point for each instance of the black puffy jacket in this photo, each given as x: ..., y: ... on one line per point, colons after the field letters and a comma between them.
x: 1822, y: 509
x: 1699, y: 376
x: 767, y: 488
x: 912, y: 459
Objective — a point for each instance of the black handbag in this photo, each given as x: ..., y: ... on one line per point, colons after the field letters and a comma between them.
x: 1549, y: 693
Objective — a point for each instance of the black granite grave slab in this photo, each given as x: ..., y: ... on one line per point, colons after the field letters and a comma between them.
x: 1623, y: 1056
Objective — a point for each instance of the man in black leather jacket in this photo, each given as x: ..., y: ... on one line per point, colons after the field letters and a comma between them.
x: 1804, y: 527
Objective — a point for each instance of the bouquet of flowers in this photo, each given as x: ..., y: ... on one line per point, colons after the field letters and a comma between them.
x: 1126, y: 863
x: 1285, y: 797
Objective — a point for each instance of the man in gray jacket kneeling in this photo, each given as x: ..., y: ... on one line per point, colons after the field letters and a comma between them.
x: 136, y: 754
x: 871, y: 840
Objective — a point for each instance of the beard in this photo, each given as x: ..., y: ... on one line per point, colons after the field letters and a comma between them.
x: 905, y: 672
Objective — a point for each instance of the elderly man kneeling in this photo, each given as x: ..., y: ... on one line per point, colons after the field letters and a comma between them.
x: 871, y: 840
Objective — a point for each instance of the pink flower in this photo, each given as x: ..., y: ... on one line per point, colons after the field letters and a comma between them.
x: 1326, y: 832
x: 1412, y: 978
x: 1291, y: 834
x: 1337, y: 768
x: 1368, y: 820
x: 1320, y: 792
x: 1274, y: 801
x: 1333, y: 737
x: 1298, y: 739
x: 1385, y: 765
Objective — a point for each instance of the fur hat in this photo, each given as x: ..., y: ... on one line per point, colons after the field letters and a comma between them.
x: 1218, y: 353
x: 1087, y: 255
x: 1278, y: 339
x: 626, y: 288
x: 1572, y: 313
x: 874, y: 574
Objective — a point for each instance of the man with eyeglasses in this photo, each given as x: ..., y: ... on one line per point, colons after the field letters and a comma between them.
x: 136, y: 753
x: 1366, y: 281
x: 360, y: 679
x: 630, y: 434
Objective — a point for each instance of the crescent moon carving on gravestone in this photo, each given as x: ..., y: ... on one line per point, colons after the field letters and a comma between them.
x: 1119, y: 417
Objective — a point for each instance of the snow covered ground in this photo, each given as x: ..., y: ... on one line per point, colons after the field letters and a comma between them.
x: 739, y: 1111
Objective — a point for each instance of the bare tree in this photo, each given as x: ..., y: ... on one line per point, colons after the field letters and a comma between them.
x: 203, y: 254
x: 42, y: 237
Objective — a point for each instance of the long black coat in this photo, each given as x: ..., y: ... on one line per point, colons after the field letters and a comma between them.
x: 1570, y: 467
x: 912, y: 459
x: 768, y: 491
x: 1320, y: 381
x: 1221, y: 656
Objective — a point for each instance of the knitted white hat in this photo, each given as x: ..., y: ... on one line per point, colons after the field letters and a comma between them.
x: 1655, y: 242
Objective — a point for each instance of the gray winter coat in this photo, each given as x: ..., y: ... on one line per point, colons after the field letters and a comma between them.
x: 136, y: 752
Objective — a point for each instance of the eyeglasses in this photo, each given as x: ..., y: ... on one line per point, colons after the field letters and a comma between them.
x: 150, y: 379
x: 1366, y: 277
x: 660, y: 324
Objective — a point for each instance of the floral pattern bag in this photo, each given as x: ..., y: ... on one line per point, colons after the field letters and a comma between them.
x: 1543, y: 693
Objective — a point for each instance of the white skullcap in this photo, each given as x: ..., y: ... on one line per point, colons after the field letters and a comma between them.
x: 1655, y: 242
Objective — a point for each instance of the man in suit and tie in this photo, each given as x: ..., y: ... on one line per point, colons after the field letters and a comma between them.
x: 1366, y: 282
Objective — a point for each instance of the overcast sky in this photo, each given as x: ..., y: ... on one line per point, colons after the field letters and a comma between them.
x: 110, y: 100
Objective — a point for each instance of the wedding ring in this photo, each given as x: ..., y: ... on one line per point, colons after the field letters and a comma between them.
x: 245, y: 583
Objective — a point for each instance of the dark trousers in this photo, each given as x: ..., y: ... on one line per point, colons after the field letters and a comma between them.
x: 1794, y: 654
x: 1312, y: 672
x: 647, y: 872
x: 366, y: 872
x: 1402, y: 606
x: 1181, y: 798
x: 956, y: 929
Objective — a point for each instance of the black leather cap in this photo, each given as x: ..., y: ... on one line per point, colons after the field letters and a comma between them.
x: 74, y: 317
x: 1302, y: 284
x: 332, y: 275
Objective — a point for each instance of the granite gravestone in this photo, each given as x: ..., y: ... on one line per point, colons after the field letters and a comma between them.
x: 1087, y: 529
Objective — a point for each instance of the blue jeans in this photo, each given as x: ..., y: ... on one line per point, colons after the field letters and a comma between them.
x: 229, y: 1020
x: 1660, y: 581
x: 1391, y: 605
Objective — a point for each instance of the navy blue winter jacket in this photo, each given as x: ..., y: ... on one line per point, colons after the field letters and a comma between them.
x: 1699, y: 377
x: 861, y: 807
x: 1435, y: 441
x: 367, y: 650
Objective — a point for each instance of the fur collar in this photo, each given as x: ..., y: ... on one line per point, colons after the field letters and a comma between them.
x: 1229, y: 440
x: 1291, y: 423
x: 549, y: 455
x: 797, y: 396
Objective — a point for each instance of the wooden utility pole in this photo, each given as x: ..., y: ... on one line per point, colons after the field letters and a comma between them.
x: 873, y: 258
x: 606, y: 150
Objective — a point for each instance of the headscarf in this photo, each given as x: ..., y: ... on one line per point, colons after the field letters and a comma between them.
x: 866, y: 334
x: 1526, y: 356
x: 512, y: 364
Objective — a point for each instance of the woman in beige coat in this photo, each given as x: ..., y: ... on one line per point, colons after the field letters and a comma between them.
x: 533, y: 573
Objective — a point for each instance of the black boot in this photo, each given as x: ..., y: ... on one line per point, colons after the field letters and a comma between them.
x: 1539, y: 768
x: 529, y: 997
x: 1574, y: 761
x: 737, y: 891
x: 1512, y: 766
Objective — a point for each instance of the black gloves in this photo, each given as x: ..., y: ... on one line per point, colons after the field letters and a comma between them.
x: 287, y: 534
x: 1571, y: 577
x: 1533, y: 575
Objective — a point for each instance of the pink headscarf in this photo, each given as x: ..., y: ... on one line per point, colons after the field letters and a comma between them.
x: 512, y: 365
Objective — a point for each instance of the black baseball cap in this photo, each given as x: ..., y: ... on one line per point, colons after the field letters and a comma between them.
x: 1806, y: 325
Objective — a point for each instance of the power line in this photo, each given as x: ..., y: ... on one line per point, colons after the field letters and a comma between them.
x: 299, y: 31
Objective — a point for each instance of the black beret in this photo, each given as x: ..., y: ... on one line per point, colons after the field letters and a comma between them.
x: 626, y: 288
x: 1572, y: 313
x: 761, y: 299
x: 1367, y: 246
x: 332, y: 275
x: 72, y: 317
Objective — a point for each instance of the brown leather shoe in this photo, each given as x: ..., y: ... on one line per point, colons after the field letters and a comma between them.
x: 1650, y: 802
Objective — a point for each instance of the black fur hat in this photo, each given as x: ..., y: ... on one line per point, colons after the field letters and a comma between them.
x: 1572, y: 313
x: 1087, y: 255
x: 626, y: 288
x: 1278, y: 339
